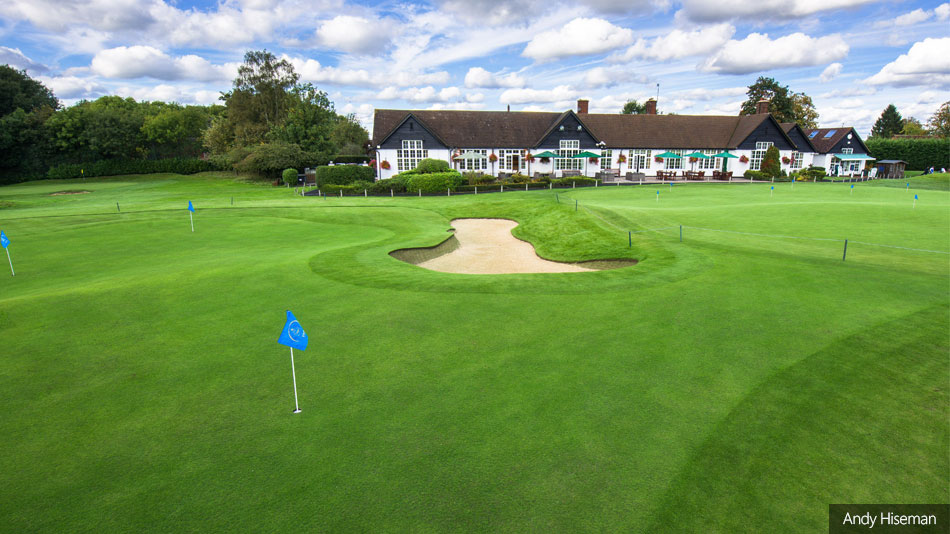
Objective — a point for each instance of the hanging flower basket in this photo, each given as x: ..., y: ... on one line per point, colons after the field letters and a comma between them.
x: 545, y: 160
x: 385, y: 165
x: 529, y: 157
x: 621, y: 159
x: 744, y: 159
x: 492, y: 158
x: 693, y: 160
x: 372, y: 163
x: 593, y: 160
x: 658, y: 159
x: 786, y: 160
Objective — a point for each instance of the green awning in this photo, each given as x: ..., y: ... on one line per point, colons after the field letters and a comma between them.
x: 546, y: 154
x: 669, y: 155
x: 586, y: 154
x: 471, y: 156
x: 852, y: 157
x: 699, y: 155
x: 724, y: 155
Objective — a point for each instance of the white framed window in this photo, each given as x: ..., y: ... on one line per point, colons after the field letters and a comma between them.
x: 847, y: 151
x: 640, y: 159
x: 565, y: 162
x: 409, y: 156
x: 711, y: 164
x: 796, y: 162
x: 507, y: 159
x: 473, y: 164
x: 675, y: 163
x: 606, y: 159
x: 755, y: 162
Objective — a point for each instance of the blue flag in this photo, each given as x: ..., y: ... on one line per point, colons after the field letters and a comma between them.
x: 190, y: 207
x: 773, y: 187
x: 293, y: 335
x: 915, y: 198
x: 4, y: 240
x: 852, y: 186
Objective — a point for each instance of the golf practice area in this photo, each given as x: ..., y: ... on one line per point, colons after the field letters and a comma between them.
x: 720, y: 360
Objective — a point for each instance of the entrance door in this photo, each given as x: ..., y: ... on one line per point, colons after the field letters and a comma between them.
x: 515, y: 164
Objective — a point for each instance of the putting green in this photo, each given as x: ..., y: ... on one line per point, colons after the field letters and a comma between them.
x: 730, y: 382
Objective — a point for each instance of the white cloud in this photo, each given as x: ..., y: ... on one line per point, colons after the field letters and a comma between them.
x: 851, y: 91
x: 145, y: 61
x: 610, y: 76
x: 356, y: 35
x: 926, y: 63
x: 914, y: 17
x: 15, y: 58
x: 579, y: 37
x: 427, y: 94
x: 757, y: 53
x: 458, y: 106
x: 73, y: 87
x: 942, y: 11
x: 711, y: 94
x: 830, y: 72
x: 310, y: 70
x: 720, y: 10
x: 479, y: 77
x: 561, y: 93
x: 678, y: 44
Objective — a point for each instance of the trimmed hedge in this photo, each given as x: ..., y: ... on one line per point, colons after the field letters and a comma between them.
x: 116, y: 167
x: 571, y: 180
x: 432, y: 166
x: 342, y: 159
x: 396, y: 183
x: 920, y: 154
x: 434, y: 183
x: 343, y: 174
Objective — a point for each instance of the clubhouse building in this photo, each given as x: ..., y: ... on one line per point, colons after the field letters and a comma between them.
x: 626, y: 146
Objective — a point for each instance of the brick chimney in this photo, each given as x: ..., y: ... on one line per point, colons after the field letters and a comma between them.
x: 651, y: 106
x: 762, y: 106
x: 582, y: 106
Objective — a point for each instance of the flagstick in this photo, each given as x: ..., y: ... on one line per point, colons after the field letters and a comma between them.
x: 14, y: 274
x: 192, y: 217
x: 294, y: 373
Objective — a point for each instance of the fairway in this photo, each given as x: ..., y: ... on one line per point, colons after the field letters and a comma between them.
x: 739, y: 377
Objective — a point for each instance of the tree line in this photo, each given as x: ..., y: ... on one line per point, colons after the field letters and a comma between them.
x: 269, y: 121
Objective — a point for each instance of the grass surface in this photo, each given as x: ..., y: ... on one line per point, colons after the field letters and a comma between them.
x: 727, y: 383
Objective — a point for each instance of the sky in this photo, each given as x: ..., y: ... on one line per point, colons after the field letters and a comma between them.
x: 853, y: 57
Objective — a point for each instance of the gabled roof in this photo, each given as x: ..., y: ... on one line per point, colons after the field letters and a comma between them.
x: 470, y: 129
x: 789, y: 126
x: 826, y: 138
x: 523, y: 129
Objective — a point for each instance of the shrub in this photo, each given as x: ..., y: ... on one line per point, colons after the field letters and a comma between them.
x: 813, y: 173
x: 270, y: 159
x: 771, y: 165
x: 755, y: 175
x: 334, y: 189
x: 343, y: 174
x: 396, y: 183
x: 115, y: 167
x: 519, y: 178
x: 431, y: 166
x: 289, y: 176
x: 433, y: 183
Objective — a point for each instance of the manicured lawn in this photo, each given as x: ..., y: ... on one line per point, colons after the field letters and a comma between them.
x: 727, y: 383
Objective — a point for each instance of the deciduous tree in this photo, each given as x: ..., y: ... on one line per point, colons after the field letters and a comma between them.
x: 939, y: 123
x: 632, y: 107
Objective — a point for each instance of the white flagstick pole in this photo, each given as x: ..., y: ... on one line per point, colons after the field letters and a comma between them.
x: 14, y: 274
x: 192, y: 217
x: 294, y: 373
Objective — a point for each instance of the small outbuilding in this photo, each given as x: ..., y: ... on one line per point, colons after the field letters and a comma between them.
x: 890, y: 168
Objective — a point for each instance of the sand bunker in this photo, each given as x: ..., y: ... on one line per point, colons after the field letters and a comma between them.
x: 69, y: 193
x: 486, y: 246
